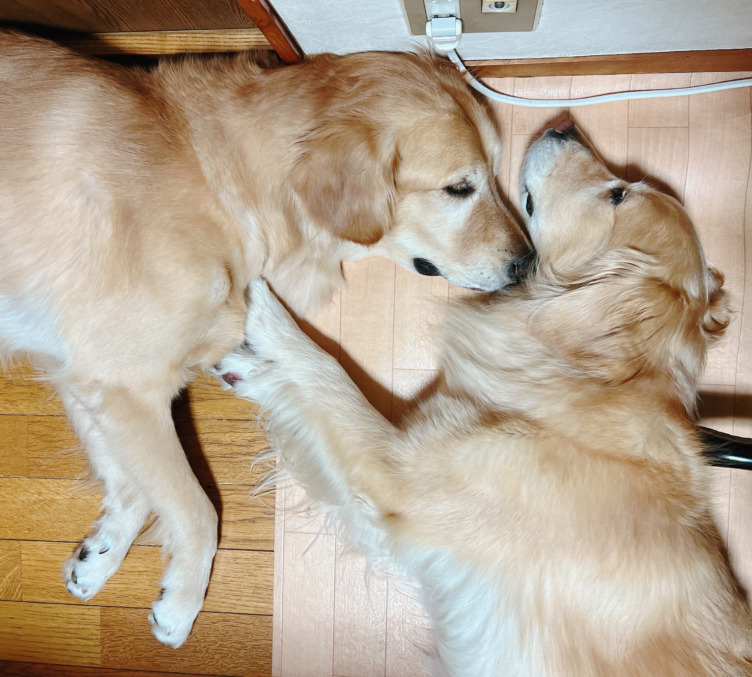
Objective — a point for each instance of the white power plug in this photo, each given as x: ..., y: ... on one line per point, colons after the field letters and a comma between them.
x: 444, y: 25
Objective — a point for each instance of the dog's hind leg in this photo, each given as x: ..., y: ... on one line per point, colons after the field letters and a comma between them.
x: 136, y: 451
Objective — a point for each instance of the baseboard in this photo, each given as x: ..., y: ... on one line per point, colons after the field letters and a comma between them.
x: 151, y: 43
x: 611, y: 64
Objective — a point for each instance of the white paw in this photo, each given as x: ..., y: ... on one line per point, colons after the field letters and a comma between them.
x: 270, y: 334
x: 90, y: 567
x: 265, y: 305
x: 268, y: 325
x: 237, y: 366
x: 172, y: 616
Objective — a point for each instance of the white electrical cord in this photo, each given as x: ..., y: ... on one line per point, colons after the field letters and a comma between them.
x: 588, y: 100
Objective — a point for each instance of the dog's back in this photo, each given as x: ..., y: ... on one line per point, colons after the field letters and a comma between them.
x: 98, y: 194
x: 565, y: 552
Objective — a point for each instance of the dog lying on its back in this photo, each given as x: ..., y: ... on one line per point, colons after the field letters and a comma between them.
x: 550, y: 497
x: 136, y: 207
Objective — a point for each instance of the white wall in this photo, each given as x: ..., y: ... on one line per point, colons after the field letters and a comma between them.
x: 566, y: 27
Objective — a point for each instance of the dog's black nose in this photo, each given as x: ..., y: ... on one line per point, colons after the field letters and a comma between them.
x: 425, y: 267
x: 564, y: 130
x: 519, y: 268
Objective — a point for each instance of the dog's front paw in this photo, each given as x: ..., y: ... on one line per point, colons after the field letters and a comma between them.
x: 172, y: 617
x: 90, y: 567
x: 235, y: 369
x: 269, y: 327
x: 272, y: 336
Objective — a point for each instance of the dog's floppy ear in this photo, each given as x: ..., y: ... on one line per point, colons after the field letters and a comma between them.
x: 614, y: 324
x: 344, y: 179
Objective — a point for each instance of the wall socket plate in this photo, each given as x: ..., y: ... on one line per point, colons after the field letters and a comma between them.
x: 493, y: 6
x: 525, y: 18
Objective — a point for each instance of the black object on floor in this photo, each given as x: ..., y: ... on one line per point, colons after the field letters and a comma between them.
x: 726, y: 451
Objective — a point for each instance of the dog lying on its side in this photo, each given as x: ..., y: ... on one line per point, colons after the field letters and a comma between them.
x: 135, y: 207
x: 550, y: 497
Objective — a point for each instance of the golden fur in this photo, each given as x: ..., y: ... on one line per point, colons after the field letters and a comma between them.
x: 136, y: 206
x: 550, y: 497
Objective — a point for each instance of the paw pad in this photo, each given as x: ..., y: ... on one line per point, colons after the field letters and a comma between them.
x: 231, y: 378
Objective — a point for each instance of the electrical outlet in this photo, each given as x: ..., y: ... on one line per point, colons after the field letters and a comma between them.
x: 496, y: 6
x: 476, y: 18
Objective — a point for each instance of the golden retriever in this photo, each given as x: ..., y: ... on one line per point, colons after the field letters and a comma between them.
x: 136, y: 206
x: 550, y: 496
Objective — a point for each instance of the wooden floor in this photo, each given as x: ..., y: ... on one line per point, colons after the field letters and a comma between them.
x: 329, y: 619
x: 45, y: 511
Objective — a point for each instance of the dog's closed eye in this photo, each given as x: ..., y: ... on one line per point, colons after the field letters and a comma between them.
x: 460, y: 189
x: 529, y: 205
